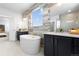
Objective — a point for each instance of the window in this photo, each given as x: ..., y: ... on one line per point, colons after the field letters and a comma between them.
x: 37, y: 17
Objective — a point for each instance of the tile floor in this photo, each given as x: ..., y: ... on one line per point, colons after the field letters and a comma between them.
x: 9, y: 48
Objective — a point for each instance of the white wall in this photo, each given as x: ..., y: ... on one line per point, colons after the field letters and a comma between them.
x: 14, y: 20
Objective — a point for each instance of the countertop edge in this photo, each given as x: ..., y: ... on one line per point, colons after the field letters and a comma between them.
x: 62, y: 34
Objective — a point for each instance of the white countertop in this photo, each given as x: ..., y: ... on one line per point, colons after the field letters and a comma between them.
x: 62, y: 34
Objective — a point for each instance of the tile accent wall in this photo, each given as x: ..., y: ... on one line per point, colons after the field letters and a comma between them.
x: 29, y: 16
x: 46, y: 19
x: 46, y: 23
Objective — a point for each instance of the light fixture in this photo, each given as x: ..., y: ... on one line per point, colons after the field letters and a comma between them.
x: 69, y: 10
x: 24, y: 19
x: 59, y: 4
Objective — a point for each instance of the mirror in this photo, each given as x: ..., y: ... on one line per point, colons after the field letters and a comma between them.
x: 69, y: 21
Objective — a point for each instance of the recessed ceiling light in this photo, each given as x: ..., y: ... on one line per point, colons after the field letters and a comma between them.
x: 69, y: 10
x: 59, y: 4
x: 24, y: 18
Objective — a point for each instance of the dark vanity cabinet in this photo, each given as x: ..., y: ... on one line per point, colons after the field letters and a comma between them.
x: 75, y: 46
x: 63, y: 45
x: 57, y: 45
x: 18, y: 33
x: 48, y: 46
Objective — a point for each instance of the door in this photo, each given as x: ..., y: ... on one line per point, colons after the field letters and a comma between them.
x: 63, y: 46
x: 76, y: 46
x: 48, y: 45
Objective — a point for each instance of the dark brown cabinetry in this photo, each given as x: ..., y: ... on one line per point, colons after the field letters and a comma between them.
x: 63, y: 45
x: 18, y: 33
x: 57, y: 45
x: 75, y: 45
x: 48, y: 46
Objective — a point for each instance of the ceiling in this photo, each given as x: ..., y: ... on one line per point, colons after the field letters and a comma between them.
x: 16, y: 7
x: 63, y: 8
x: 56, y: 10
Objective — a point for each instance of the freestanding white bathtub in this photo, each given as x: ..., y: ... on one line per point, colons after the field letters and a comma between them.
x: 30, y: 43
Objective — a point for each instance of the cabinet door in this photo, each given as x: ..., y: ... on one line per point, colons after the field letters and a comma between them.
x: 63, y: 46
x: 55, y: 38
x: 48, y: 45
x: 76, y: 45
